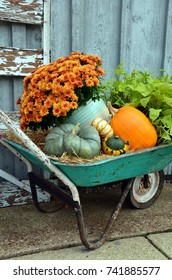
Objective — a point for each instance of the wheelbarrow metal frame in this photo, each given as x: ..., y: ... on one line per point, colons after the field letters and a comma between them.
x: 72, y: 198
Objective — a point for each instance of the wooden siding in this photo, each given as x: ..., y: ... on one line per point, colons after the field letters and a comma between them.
x: 143, y: 28
x: 20, y: 52
x: 19, y: 62
x: 23, y: 11
x: 135, y: 32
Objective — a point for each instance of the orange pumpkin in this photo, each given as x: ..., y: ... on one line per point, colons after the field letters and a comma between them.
x: 132, y: 125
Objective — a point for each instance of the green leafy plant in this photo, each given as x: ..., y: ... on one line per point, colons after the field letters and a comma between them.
x: 140, y: 89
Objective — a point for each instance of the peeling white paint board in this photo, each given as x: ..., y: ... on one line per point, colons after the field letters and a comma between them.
x: 19, y: 62
x: 24, y: 11
x: 11, y: 195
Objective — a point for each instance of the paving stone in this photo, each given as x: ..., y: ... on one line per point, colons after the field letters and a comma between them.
x: 24, y: 230
x: 163, y: 241
x: 138, y: 248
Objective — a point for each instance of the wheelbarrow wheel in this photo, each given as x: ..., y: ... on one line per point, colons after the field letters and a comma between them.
x: 146, y: 189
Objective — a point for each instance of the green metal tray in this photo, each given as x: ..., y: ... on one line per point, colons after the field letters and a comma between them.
x: 109, y: 170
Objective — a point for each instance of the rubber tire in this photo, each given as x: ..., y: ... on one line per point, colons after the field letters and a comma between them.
x: 142, y: 201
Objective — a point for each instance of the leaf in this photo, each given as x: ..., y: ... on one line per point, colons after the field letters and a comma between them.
x: 154, y: 113
x: 119, y: 70
x: 144, y: 101
x: 142, y: 89
x: 167, y: 112
x: 165, y: 88
x: 145, y: 91
x: 167, y: 120
x: 168, y: 101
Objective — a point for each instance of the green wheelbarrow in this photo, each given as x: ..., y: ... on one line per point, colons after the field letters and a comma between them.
x: 140, y: 175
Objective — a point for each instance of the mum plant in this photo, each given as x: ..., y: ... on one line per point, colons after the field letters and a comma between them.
x: 53, y: 91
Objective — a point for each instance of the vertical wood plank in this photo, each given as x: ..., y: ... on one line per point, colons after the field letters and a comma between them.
x: 6, y: 160
x: 78, y: 25
x: 168, y: 55
x: 96, y: 29
x: 18, y: 35
x: 6, y: 93
x: 6, y: 104
x: 18, y: 40
x: 168, y: 42
x: 60, y: 28
x: 33, y: 37
x: 5, y: 31
x: 142, y: 34
x: 6, y: 98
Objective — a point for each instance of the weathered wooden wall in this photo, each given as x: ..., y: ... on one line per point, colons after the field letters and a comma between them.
x: 137, y: 32
x: 21, y: 31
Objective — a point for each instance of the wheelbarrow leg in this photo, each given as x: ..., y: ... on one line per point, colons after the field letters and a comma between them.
x: 80, y: 219
x: 66, y: 197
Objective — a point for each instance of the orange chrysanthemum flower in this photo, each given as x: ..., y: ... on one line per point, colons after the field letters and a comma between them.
x: 56, y: 109
x: 43, y: 111
x: 53, y: 90
x: 89, y: 82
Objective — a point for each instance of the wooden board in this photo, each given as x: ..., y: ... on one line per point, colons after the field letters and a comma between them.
x: 11, y: 195
x: 142, y: 34
x: 25, y: 11
x: 19, y: 62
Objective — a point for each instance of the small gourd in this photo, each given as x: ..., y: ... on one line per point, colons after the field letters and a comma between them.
x: 114, y: 145
x: 82, y: 142
x: 133, y: 126
x: 103, y: 127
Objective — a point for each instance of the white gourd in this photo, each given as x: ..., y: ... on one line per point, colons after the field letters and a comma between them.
x: 103, y: 127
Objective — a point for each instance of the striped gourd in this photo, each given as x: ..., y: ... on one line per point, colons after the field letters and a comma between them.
x: 104, y: 129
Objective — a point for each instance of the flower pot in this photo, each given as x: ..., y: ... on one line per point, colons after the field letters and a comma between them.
x: 84, y: 115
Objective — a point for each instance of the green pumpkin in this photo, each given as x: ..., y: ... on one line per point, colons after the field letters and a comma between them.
x: 83, y: 142
x: 114, y: 145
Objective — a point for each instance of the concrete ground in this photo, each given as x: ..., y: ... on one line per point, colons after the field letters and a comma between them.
x: 144, y: 234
